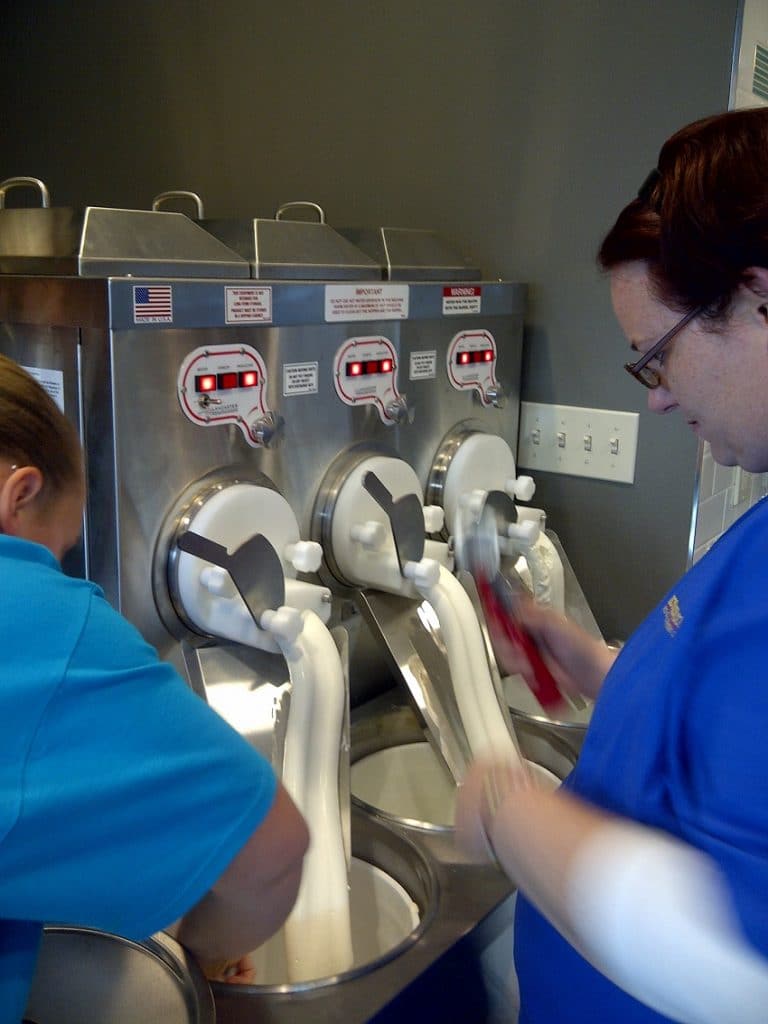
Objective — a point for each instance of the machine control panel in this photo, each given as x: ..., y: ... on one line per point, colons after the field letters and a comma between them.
x: 471, y: 363
x: 365, y: 373
x: 226, y: 384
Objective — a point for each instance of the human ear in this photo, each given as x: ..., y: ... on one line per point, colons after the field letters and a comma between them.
x: 17, y: 494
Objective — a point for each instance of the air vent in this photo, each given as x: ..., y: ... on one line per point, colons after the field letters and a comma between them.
x: 760, y: 77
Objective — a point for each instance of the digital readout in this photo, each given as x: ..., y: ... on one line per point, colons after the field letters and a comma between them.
x: 367, y: 367
x: 480, y: 355
x: 228, y: 381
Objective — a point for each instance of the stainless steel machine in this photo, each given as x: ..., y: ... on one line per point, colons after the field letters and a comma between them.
x: 222, y: 398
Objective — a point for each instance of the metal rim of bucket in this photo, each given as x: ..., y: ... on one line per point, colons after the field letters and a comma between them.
x: 163, y: 950
x: 428, y: 908
x: 398, y: 726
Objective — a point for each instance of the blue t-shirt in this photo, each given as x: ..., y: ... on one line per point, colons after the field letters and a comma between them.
x: 123, y: 796
x: 677, y: 742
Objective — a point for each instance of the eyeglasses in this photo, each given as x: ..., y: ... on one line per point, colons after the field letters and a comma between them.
x: 646, y: 374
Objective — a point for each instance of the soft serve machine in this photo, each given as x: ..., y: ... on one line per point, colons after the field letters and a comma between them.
x: 281, y: 422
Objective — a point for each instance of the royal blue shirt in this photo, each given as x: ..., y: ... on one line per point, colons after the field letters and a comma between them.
x: 678, y: 741
x: 123, y: 796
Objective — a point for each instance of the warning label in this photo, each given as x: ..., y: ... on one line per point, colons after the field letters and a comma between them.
x: 247, y: 304
x: 464, y: 298
x: 423, y: 366
x: 366, y: 302
x: 51, y: 380
x: 300, y: 378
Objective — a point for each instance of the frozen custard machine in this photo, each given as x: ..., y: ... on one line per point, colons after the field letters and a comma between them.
x: 266, y: 457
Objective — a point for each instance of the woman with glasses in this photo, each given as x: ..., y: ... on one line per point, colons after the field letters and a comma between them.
x: 644, y: 880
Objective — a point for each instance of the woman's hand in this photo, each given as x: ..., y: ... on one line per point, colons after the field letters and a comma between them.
x: 578, y: 661
x: 484, y: 788
x: 233, y: 972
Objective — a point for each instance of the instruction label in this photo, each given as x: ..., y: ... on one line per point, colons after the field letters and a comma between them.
x: 300, y: 378
x: 366, y: 302
x: 464, y: 298
x: 423, y: 365
x: 51, y: 380
x: 247, y: 304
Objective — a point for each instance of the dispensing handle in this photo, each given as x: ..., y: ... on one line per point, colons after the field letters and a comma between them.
x: 304, y: 205
x: 178, y: 193
x: 406, y: 519
x: 399, y: 411
x: 10, y: 183
x: 267, y: 430
x: 496, y: 397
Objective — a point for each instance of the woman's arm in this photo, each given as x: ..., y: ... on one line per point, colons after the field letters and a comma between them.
x: 252, y: 898
x: 648, y: 911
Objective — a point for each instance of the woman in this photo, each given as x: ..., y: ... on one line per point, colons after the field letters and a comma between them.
x: 652, y: 862
x: 126, y: 803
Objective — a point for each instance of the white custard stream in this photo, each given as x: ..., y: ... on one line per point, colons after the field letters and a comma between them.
x: 318, y: 934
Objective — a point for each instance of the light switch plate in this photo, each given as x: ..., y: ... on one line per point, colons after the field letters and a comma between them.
x: 599, y: 443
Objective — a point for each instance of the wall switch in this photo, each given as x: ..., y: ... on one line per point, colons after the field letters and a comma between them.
x: 599, y: 443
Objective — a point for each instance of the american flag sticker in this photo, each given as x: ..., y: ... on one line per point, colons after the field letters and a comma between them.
x: 152, y: 304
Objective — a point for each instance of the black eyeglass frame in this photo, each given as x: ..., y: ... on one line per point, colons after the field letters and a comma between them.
x: 640, y: 370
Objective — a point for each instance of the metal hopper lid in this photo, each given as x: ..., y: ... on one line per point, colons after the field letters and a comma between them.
x: 295, y: 250
x: 412, y: 254
x: 104, y: 242
x: 84, y: 976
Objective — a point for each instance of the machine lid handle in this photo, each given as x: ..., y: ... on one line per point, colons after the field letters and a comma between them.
x: 406, y: 518
x: 312, y: 206
x: 255, y: 568
x: 178, y: 193
x: 45, y: 195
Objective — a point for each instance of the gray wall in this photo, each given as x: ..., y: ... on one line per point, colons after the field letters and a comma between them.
x: 516, y: 127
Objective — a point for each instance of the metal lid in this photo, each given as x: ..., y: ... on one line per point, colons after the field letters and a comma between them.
x: 412, y: 254
x: 103, y: 242
x: 85, y: 976
x: 295, y: 250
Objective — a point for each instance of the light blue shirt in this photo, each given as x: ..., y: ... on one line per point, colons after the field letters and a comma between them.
x: 123, y: 796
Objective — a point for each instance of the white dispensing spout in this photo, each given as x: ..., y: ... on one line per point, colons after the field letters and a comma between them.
x: 525, y: 533
x: 371, y: 534
x: 217, y: 581
x: 522, y: 487
x: 304, y: 555
x: 284, y: 623
x: 424, y: 574
x: 434, y: 518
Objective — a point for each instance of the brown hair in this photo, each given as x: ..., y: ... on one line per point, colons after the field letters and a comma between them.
x: 701, y: 219
x: 34, y: 431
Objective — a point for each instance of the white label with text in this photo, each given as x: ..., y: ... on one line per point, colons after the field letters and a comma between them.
x: 355, y: 302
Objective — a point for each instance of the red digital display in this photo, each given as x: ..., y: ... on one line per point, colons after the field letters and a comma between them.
x: 227, y: 381
x: 480, y: 355
x: 367, y: 367
x: 205, y: 382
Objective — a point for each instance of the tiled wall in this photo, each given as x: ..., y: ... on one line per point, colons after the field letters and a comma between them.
x: 725, y: 493
x: 754, y: 30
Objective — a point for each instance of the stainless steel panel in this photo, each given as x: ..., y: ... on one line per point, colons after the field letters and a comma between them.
x: 412, y: 254
x: 98, y: 241
x: 294, y: 250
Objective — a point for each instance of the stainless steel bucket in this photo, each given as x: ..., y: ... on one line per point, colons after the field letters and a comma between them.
x: 86, y: 976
